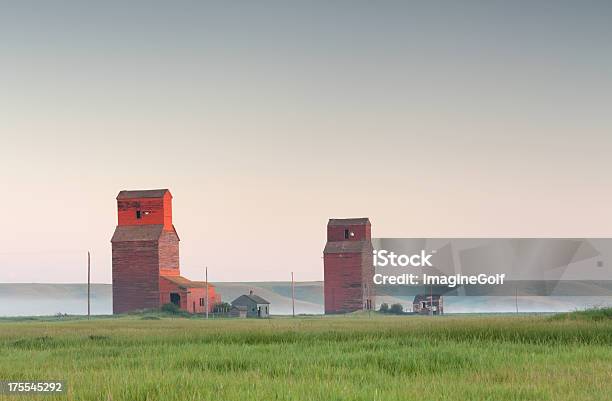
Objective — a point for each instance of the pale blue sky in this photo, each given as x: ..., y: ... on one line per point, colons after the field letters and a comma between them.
x: 266, y: 118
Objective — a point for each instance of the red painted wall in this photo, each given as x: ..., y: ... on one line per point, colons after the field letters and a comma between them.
x: 189, y: 296
x: 152, y: 211
x: 166, y: 287
x: 362, y: 232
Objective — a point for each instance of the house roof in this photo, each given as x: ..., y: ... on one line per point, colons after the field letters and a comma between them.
x: 346, y: 247
x: 348, y: 222
x: 148, y: 232
x: 254, y: 298
x: 143, y: 232
x: 144, y: 193
x: 421, y: 297
x: 258, y: 299
x: 185, y: 282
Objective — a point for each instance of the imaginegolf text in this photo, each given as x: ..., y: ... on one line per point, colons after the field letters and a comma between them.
x: 449, y: 281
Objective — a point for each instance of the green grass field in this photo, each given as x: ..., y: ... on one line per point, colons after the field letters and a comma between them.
x: 344, y: 358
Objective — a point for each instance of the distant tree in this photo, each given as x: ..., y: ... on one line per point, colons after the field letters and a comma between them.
x: 396, y: 309
x: 384, y: 308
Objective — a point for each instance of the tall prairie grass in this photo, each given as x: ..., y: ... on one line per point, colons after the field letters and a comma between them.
x: 340, y: 358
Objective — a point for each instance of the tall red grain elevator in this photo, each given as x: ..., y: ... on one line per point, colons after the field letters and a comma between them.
x: 348, y: 266
x: 145, y: 245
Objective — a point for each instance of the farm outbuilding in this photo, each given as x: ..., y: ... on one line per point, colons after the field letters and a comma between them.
x: 238, y: 311
x: 186, y: 294
x: 428, y: 304
x: 255, y: 305
x: 145, y: 257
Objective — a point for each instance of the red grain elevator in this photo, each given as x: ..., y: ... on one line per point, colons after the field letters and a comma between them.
x: 145, y: 247
x: 348, y: 266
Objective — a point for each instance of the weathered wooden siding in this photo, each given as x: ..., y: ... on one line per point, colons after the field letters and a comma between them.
x: 348, y: 267
x: 367, y: 274
x: 343, y: 282
x: 135, y: 275
x: 169, y: 254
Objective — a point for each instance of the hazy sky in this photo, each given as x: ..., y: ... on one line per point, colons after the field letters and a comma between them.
x: 265, y: 119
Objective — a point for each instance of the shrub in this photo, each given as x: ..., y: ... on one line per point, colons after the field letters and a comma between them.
x: 384, y: 308
x: 222, y: 307
x: 171, y: 308
x: 396, y: 309
x: 594, y: 314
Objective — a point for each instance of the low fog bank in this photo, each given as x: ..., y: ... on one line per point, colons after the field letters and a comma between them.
x: 51, y: 299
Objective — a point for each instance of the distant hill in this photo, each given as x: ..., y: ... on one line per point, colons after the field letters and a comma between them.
x: 50, y: 299
x: 308, y: 295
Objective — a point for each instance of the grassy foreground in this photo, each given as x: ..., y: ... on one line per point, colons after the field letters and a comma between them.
x: 343, y: 358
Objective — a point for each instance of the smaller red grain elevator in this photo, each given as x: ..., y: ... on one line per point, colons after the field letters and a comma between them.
x: 348, y: 266
x: 145, y: 245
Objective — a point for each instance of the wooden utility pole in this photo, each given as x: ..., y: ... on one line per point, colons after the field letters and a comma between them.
x: 88, y: 285
x: 206, y: 274
x: 431, y: 305
x: 292, y: 294
x: 516, y: 298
